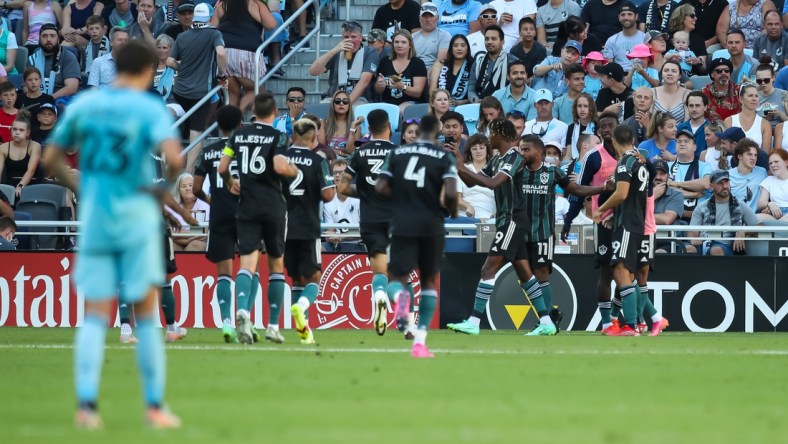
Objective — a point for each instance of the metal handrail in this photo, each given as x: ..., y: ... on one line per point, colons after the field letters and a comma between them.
x: 202, y: 101
x: 293, y: 51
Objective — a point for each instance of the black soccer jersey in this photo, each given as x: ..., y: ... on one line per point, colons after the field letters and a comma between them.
x: 510, y: 164
x: 304, y: 193
x: 631, y: 214
x: 365, y: 165
x: 416, y: 172
x: 223, y: 202
x: 254, y: 147
x: 534, y: 207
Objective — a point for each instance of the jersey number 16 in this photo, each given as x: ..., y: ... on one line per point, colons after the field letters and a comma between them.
x: 255, y: 164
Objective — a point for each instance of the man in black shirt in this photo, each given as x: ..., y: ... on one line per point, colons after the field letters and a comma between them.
x: 396, y: 15
x: 364, y: 165
x: 222, y: 233
x: 413, y: 177
x: 602, y: 18
x: 614, y: 95
x: 262, y: 210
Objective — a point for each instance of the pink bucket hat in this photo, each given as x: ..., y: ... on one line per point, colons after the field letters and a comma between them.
x: 593, y: 56
x: 640, y: 51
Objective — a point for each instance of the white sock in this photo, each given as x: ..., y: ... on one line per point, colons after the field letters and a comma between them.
x: 411, y: 319
x: 229, y: 322
x: 545, y: 320
x: 420, y: 337
x: 474, y: 320
x: 303, y: 303
x: 125, y: 329
x: 604, y: 326
x: 172, y: 328
x: 274, y: 327
x: 656, y: 318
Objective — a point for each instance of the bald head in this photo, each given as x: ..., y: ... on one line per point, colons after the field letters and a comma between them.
x: 643, y: 99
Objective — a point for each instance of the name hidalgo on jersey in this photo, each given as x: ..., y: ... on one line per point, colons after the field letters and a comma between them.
x: 419, y: 149
x: 251, y: 138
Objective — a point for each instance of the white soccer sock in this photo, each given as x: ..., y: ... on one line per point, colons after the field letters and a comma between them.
x: 604, y: 326
x: 545, y: 320
x: 656, y: 318
x: 228, y: 321
x: 420, y: 337
x: 125, y: 329
x: 303, y: 303
x: 474, y: 320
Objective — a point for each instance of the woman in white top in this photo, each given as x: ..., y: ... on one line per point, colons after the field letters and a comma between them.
x: 754, y: 126
x: 183, y: 193
x: 713, y: 156
x: 773, y: 201
x: 477, y: 201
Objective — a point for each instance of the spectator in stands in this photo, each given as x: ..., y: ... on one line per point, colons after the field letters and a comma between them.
x: 713, y: 155
x: 452, y: 131
x: 19, y: 157
x: 75, y: 21
x: 510, y: 12
x: 593, y: 80
x: 122, y: 13
x: 164, y: 79
x: 479, y: 202
x: 549, y: 19
x: 602, y: 18
x: 36, y: 14
x: 708, y: 13
x: 661, y: 142
x: 8, y: 47
x: 696, y: 104
x: 341, y: 210
x: 47, y: 118
x: 575, y: 79
x: 30, y: 98
x: 621, y: 43
x: 193, y: 56
x: 320, y: 148
x: 668, y: 202
x: 295, y: 105
x: 575, y: 28
x: 773, y: 201
x: 489, y: 70
x: 746, y: 16
x: 410, y: 131
x: 8, y: 112
x: 517, y: 95
x: 584, y: 121
x: 59, y: 67
x: 657, y: 42
x: 376, y: 38
x: 743, y: 64
x: 655, y: 14
x: 488, y: 16
x: 400, y: 14
x: 7, y: 230
x: 643, y: 100
x: 518, y: 120
x: 670, y: 96
x: 351, y: 66
x: 754, y: 126
x: 723, y: 94
x: 687, y: 174
x: 684, y: 19
x: 459, y: 16
x: 746, y: 176
x: 150, y: 22
x: 185, y: 16
x: 642, y: 71
x: 183, y: 193
x: 490, y: 109
x: 551, y: 71
x: 614, y: 92
x: 453, y: 73
x: 439, y: 103
x: 238, y: 21
x: 430, y: 42
x: 97, y: 45
x: 528, y: 49
x: 771, y: 101
x: 545, y: 125
x: 340, y: 136
x: 774, y: 41
x: 721, y: 210
x: 103, y: 71
x: 401, y: 77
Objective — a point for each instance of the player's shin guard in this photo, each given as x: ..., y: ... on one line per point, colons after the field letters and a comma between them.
x: 427, y: 304
x: 648, y: 307
x: 276, y: 296
x: 483, y: 292
x: 168, y: 303
x: 393, y: 289
x: 604, y: 310
x: 534, y: 292
x: 89, y: 358
x: 151, y: 361
x: 615, y: 310
x: 629, y: 302
x: 310, y: 292
x: 243, y: 289
x: 224, y: 296
x: 379, y: 282
x: 253, y: 294
x: 412, y: 308
x: 547, y: 295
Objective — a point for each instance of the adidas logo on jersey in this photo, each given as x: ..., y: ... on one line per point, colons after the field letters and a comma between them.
x: 541, y: 259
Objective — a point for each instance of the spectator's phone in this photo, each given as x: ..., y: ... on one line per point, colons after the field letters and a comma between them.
x: 449, y: 140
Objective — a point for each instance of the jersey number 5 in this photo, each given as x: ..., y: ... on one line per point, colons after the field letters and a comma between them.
x: 257, y: 162
x: 411, y: 173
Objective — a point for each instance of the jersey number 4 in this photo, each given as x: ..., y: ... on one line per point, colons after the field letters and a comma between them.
x: 411, y: 173
x: 255, y: 164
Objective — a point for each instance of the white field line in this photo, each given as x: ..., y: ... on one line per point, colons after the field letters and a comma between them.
x: 313, y: 349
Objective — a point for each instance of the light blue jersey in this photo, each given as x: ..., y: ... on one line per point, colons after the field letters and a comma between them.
x: 457, y: 19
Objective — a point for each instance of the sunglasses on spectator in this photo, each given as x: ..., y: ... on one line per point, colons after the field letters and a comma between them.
x: 412, y: 121
x: 489, y: 16
x: 722, y: 71
x: 765, y: 81
x: 341, y: 102
x: 691, y: 15
x: 295, y: 99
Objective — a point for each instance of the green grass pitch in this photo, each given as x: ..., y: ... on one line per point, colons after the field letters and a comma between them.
x: 355, y: 387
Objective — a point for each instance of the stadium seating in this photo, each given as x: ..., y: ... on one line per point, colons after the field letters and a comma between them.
x: 396, y: 137
x: 24, y: 240
x: 461, y: 245
x: 318, y: 109
x: 56, y: 194
x: 699, y: 82
x: 21, y: 59
x: 415, y: 111
x: 391, y: 109
x: 470, y: 113
x: 41, y: 210
x: 10, y: 193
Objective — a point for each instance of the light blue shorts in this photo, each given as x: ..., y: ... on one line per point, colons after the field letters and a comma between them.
x: 99, y: 275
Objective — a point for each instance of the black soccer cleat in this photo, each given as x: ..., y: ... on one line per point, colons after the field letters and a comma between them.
x: 556, y: 316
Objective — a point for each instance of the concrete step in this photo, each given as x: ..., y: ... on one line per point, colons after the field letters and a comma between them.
x: 281, y: 85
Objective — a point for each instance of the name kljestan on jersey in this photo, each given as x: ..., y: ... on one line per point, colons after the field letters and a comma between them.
x: 420, y: 149
x: 251, y: 138
x: 536, y: 189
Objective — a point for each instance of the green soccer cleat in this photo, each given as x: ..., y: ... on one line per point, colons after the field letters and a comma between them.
x: 464, y: 327
x: 543, y: 330
x: 255, y: 335
x: 228, y: 331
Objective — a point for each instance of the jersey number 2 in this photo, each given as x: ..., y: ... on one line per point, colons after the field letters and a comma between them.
x: 411, y: 173
x: 294, y: 191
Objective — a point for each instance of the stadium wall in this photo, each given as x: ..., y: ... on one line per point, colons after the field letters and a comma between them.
x: 700, y: 294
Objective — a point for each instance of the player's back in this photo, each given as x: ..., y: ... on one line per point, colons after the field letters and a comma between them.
x: 222, y: 201
x: 115, y: 131
x: 632, y: 212
x: 417, y: 172
x: 365, y: 165
x: 509, y: 163
x: 304, y: 193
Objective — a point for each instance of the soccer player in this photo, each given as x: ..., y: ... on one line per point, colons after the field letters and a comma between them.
x: 115, y: 128
x: 222, y: 234
x: 534, y: 216
x: 262, y: 210
x: 365, y: 165
x: 314, y: 183
x: 629, y: 204
x: 412, y: 178
x: 599, y: 165
x: 503, y: 174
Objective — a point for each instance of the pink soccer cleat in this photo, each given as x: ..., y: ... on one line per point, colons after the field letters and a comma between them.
x: 402, y: 310
x: 657, y: 327
x: 420, y: 351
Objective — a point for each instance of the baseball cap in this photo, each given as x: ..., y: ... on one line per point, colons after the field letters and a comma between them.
x: 685, y: 132
x: 185, y: 6
x: 48, y: 106
x: 628, y: 7
x: 429, y: 8
x: 47, y: 26
x: 734, y: 134
x: 719, y: 61
x: 203, y: 13
x: 543, y: 94
x: 376, y: 35
x: 554, y: 143
x: 660, y: 164
x: 574, y: 44
x: 612, y: 70
x: 718, y: 176
x: 488, y: 7
x: 654, y: 34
